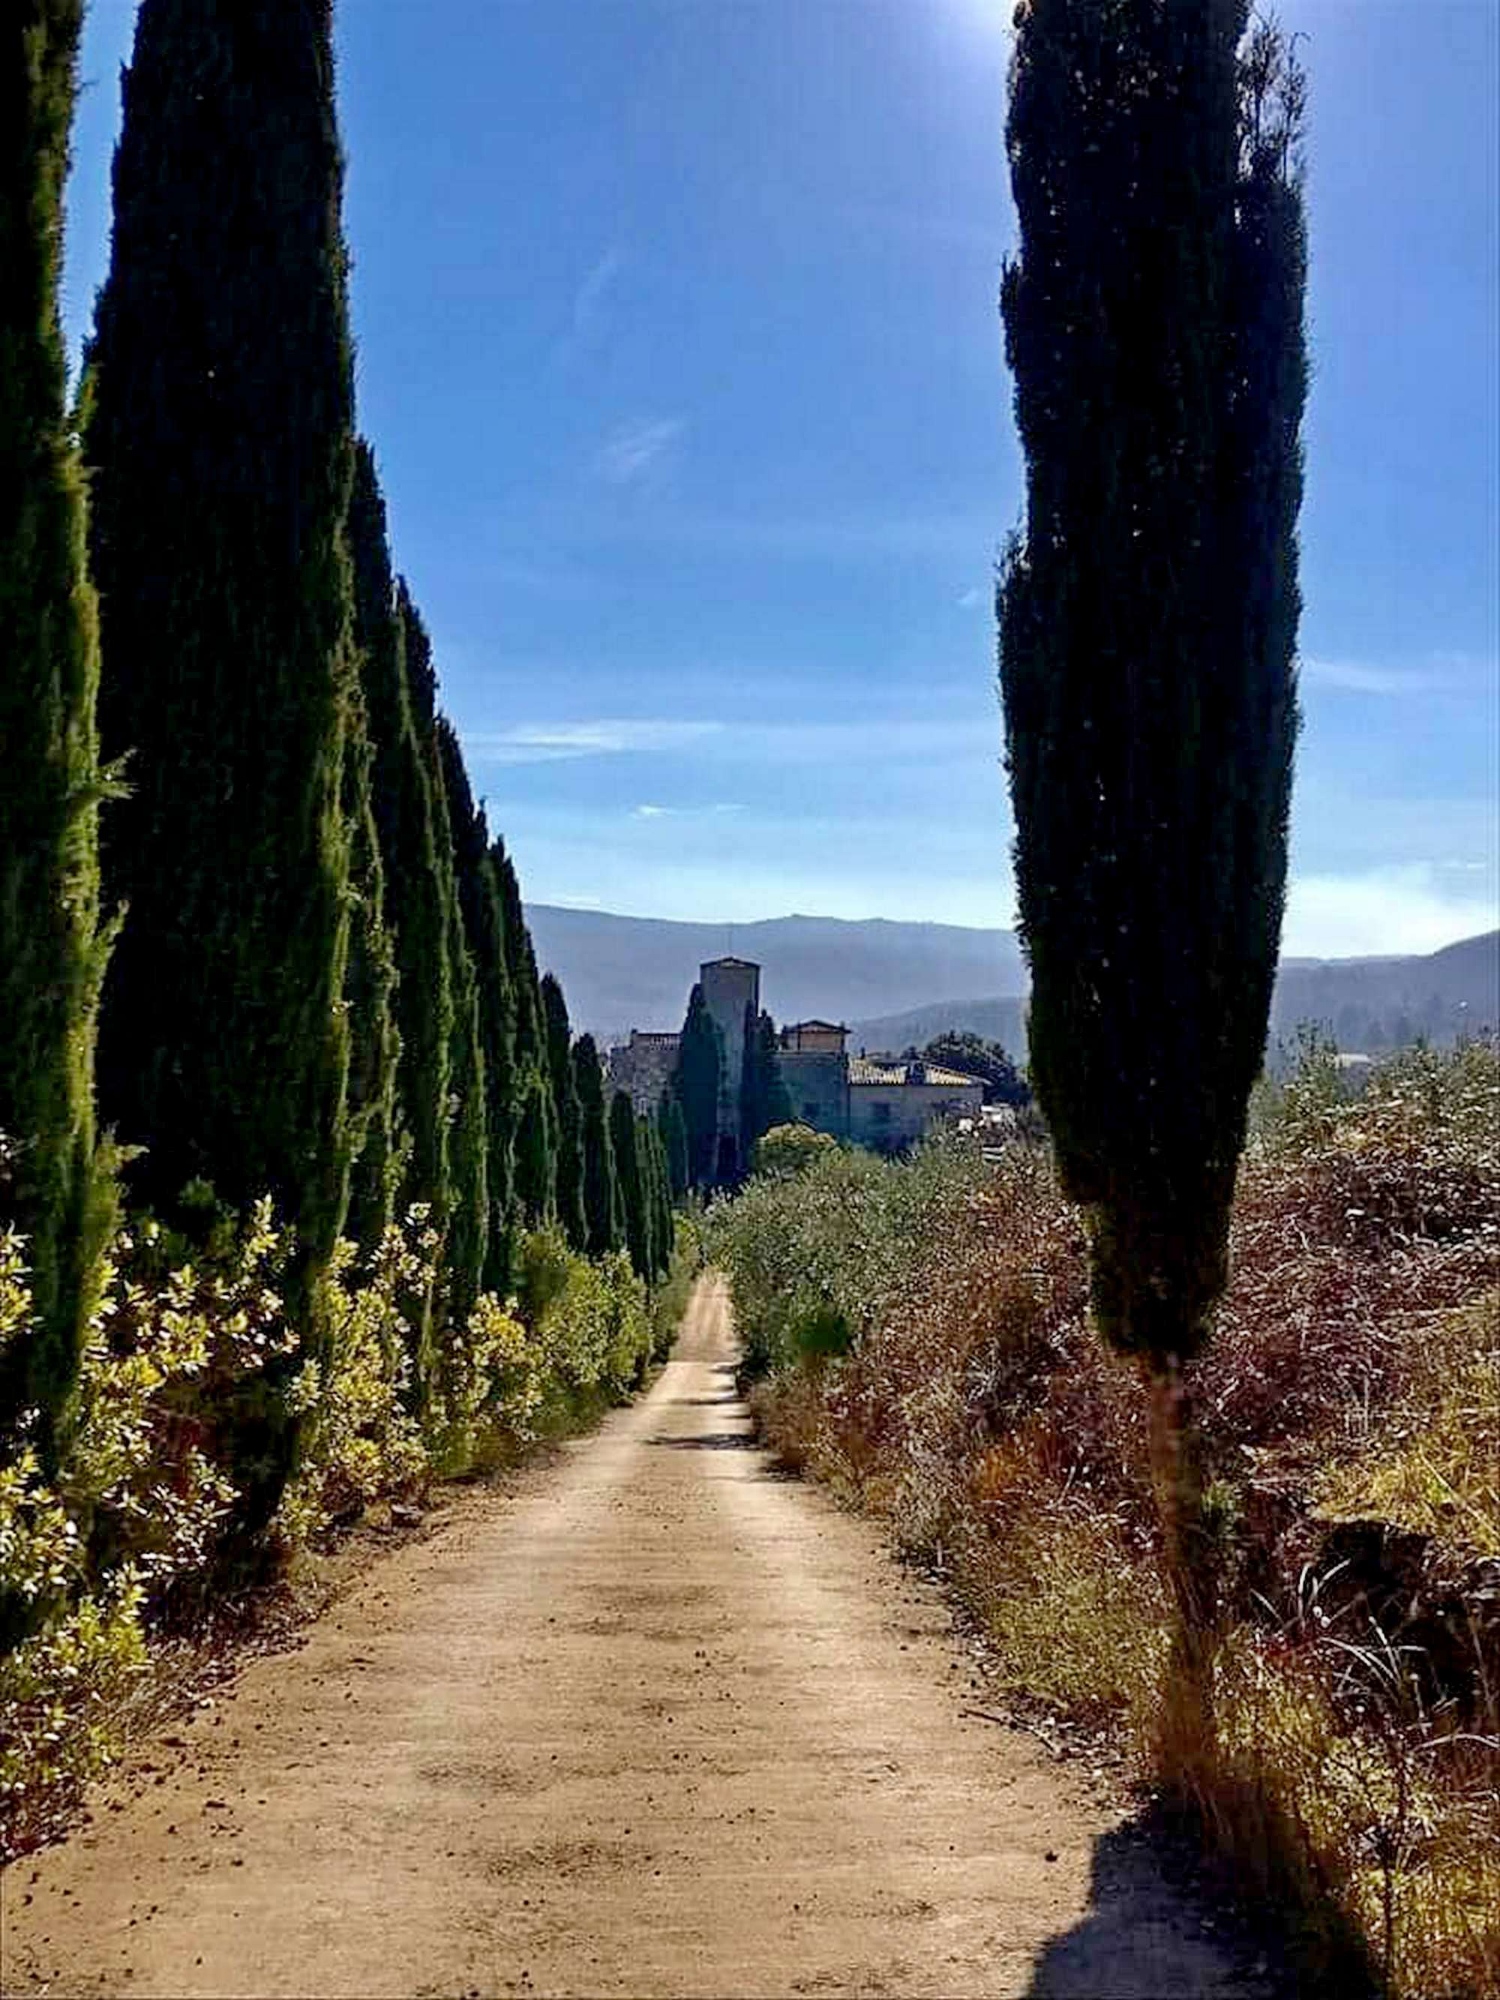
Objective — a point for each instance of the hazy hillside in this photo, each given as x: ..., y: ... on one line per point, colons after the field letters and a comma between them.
x: 1368, y: 1004
x: 636, y: 972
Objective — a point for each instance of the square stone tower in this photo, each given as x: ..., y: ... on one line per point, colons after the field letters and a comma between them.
x: 730, y: 985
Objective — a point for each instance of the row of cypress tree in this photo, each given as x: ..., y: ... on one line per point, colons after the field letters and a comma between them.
x: 319, y: 984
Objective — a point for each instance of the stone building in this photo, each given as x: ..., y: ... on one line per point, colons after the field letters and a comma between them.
x: 882, y: 1105
x: 885, y: 1106
x: 643, y: 1066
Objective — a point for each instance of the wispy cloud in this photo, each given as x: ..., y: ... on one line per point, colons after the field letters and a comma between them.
x: 588, y: 300
x: 720, y: 810
x: 1369, y: 677
x: 636, y: 451
x: 971, y: 599
x: 559, y: 742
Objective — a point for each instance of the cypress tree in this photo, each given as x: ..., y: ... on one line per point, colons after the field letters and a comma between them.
x: 537, y: 1192
x: 630, y: 1180
x: 1147, y: 634
x: 403, y: 806
x: 370, y: 985
x: 56, y: 1184
x: 484, y: 928
x: 764, y: 1099
x: 468, y: 1144
x: 536, y: 1147
x: 659, y: 1197
x: 569, y: 1177
x: 220, y: 441
x: 600, y: 1196
x: 409, y: 811
x: 696, y: 1086
x: 673, y: 1129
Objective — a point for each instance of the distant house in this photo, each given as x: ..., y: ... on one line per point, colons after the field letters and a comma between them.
x: 643, y: 1066
x: 882, y: 1105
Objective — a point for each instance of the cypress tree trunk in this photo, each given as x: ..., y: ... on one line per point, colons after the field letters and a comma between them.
x: 569, y: 1179
x: 600, y: 1195
x: 1148, y: 625
x: 56, y: 1181
x: 630, y: 1180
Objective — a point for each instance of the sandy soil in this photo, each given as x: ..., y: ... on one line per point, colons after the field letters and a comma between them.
x: 655, y: 1722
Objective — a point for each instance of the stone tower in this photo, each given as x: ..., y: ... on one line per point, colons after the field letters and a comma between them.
x: 730, y: 985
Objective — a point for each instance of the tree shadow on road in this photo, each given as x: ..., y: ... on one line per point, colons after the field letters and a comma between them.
x: 710, y: 1441
x: 1151, y: 1931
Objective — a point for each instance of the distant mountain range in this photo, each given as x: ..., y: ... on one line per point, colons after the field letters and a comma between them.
x: 900, y: 983
x: 636, y: 972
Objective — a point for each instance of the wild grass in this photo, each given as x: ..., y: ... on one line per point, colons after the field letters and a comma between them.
x: 1352, y: 1403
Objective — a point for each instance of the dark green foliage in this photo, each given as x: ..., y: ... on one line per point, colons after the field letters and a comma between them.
x: 484, y: 927
x: 369, y: 991
x: 468, y: 1144
x: 661, y: 1225
x: 537, y: 1183
x: 630, y: 1181
x: 56, y: 1184
x: 569, y: 1177
x: 536, y: 1148
x: 764, y: 1100
x: 220, y: 441
x: 398, y: 682
x: 695, y: 1086
x: 601, y: 1205
x: 974, y: 1056
x: 673, y: 1129
x: 1148, y: 618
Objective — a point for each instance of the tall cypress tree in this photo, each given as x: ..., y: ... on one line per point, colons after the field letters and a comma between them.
x: 1148, y: 626
x: 370, y: 986
x: 414, y: 839
x: 56, y: 1184
x: 569, y: 1176
x: 537, y: 1181
x: 404, y: 813
x: 468, y: 1144
x: 601, y: 1202
x: 630, y: 1180
x: 220, y: 441
x: 696, y: 1086
x: 484, y: 927
x: 659, y: 1197
x: 673, y: 1130
x: 764, y: 1099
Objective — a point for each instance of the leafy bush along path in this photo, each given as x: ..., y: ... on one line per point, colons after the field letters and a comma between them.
x: 656, y: 1722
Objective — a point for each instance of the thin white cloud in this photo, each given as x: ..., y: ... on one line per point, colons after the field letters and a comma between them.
x: 588, y: 300
x: 1366, y: 677
x: 1390, y: 911
x: 971, y: 599
x: 635, y: 451
x: 718, y: 811
x: 561, y: 742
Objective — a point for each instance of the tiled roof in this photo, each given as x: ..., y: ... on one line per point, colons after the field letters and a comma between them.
x: 862, y: 1070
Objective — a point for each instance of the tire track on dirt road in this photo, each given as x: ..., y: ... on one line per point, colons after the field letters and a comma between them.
x: 653, y: 1721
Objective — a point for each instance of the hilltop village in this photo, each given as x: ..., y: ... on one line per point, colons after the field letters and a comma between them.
x: 879, y: 1103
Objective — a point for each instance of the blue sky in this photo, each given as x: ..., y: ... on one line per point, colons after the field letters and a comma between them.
x: 679, y: 351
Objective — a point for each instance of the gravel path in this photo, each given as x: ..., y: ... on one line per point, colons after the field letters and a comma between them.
x: 655, y: 1721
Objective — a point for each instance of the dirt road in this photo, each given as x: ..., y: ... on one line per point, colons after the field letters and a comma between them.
x: 655, y: 1722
